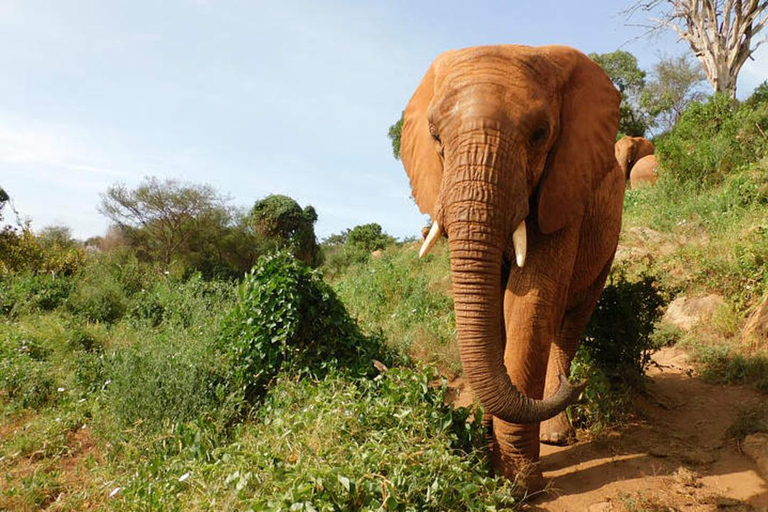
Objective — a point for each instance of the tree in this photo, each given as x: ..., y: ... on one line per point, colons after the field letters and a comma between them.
x: 284, y: 224
x: 368, y: 237
x: 394, y: 136
x: 160, y: 215
x: 720, y: 33
x: 629, y: 79
x: 675, y: 83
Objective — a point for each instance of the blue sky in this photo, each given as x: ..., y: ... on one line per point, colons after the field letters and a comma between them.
x: 291, y: 97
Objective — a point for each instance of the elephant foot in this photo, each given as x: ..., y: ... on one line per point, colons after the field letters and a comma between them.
x: 557, y: 431
x: 525, y: 475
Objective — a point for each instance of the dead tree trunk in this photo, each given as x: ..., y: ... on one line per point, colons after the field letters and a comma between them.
x: 720, y: 33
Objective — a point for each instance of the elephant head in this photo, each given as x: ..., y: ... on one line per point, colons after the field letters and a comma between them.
x: 503, y: 143
x: 631, y: 149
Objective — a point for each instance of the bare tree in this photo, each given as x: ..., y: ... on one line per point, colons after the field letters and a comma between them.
x: 720, y: 32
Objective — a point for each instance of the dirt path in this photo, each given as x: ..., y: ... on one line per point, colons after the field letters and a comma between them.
x: 674, y: 458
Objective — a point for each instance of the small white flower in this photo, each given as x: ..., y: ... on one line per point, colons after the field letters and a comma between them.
x: 109, y: 381
x: 58, y: 420
x: 184, y: 476
x: 61, y: 390
x: 114, y: 492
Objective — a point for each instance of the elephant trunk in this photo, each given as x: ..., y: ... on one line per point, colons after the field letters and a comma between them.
x: 478, y: 235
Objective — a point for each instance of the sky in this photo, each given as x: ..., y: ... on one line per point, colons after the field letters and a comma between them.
x: 292, y: 97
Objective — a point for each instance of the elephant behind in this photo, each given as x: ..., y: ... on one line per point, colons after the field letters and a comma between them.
x: 645, y: 172
x: 510, y: 150
x: 630, y: 152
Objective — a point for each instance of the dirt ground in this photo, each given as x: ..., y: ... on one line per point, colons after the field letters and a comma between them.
x: 674, y: 457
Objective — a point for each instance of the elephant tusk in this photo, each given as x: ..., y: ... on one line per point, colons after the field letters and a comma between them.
x: 520, y: 242
x: 434, y: 234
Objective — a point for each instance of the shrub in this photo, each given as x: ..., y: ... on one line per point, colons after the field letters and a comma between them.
x: 26, y: 293
x: 409, y: 300
x: 713, y: 139
x: 288, y: 319
x: 336, y: 444
x: 616, y: 347
x: 25, y: 376
x: 159, y: 381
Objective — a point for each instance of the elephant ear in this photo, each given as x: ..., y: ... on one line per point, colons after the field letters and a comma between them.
x: 417, y: 147
x: 584, y: 151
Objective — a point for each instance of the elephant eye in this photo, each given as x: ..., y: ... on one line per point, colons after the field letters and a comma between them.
x: 433, y: 132
x: 539, y: 135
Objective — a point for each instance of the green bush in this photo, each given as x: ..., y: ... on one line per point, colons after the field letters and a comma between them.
x: 616, y: 348
x: 26, y: 379
x: 407, y: 298
x: 712, y: 140
x: 288, y: 319
x: 179, y: 303
x: 159, y: 381
x: 26, y: 293
x: 336, y: 444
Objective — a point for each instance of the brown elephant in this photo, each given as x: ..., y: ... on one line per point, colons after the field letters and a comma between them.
x: 510, y: 150
x: 629, y: 150
x: 644, y: 172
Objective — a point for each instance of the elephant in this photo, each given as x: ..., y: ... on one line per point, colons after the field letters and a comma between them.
x: 509, y: 150
x: 645, y: 172
x: 629, y: 151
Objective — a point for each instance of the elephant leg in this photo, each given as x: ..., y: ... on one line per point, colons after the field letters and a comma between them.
x: 534, y: 300
x: 558, y: 430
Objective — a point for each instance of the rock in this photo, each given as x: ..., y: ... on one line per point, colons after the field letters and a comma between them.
x: 755, y: 446
x: 628, y: 253
x: 755, y: 331
x: 602, y: 506
x: 686, y: 312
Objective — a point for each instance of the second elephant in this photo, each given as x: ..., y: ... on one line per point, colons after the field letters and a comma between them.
x: 630, y: 151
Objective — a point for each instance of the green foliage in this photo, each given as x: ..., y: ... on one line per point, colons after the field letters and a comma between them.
x: 629, y: 79
x: 723, y: 365
x: 408, y: 299
x: 284, y: 225
x: 394, y: 133
x: 25, y: 374
x: 99, y: 297
x: 22, y: 251
x: 288, y: 319
x: 353, y: 246
x: 712, y: 140
x: 759, y: 96
x: 616, y: 347
x: 334, y: 444
x: 368, y: 237
x: 26, y: 293
x: 674, y: 84
x: 164, y: 380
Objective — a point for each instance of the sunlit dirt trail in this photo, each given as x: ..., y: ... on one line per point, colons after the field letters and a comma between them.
x: 675, y: 457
